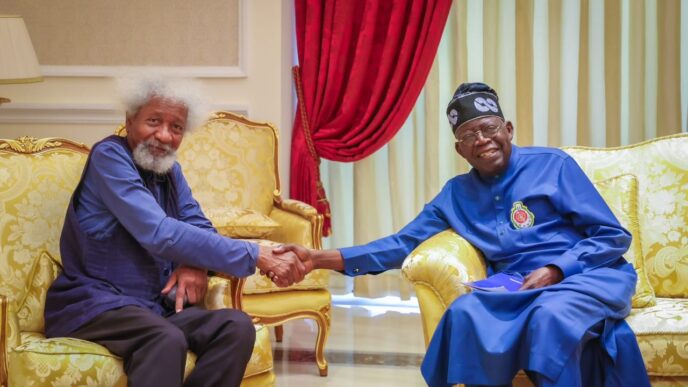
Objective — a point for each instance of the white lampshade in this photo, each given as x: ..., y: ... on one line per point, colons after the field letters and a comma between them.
x: 18, y: 62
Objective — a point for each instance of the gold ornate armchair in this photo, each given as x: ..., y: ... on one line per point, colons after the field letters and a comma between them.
x: 231, y: 166
x: 37, y: 178
x: 646, y: 186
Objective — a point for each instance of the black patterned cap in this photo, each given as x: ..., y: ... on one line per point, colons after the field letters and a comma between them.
x: 470, y: 101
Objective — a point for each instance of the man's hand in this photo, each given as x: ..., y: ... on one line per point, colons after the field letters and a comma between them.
x: 544, y: 276
x: 314, y: 259
x: 191, y: 282
x: 305, y: 254
x: 284, y: 269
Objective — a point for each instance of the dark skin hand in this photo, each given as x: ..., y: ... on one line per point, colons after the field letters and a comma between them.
x: 284, y: 268
x: 310, y: 259
x: 314, y: 259
x: 191, y: 281
x: 544, y: 276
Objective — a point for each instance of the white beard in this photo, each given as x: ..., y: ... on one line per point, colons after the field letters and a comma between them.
x: 158, y: 164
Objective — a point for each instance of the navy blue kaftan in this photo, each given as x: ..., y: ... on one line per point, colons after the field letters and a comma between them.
x: 134, y: 229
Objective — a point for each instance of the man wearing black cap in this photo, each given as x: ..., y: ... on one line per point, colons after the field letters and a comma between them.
x: 532, y: 212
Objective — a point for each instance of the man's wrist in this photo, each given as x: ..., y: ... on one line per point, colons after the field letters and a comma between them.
x: 315, y: 260
x: 327, y: 259
x: 261, y: 256
x: 558, y: 272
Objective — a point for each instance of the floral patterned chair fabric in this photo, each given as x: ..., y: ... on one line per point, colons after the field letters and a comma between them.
x: 231, y: 166
x: 37, y: 178
x: 646, y: 186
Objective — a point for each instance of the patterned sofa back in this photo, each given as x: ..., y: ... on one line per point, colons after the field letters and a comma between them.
x: 37, y: 178
x: 232, y: 162
x: 661, y: 167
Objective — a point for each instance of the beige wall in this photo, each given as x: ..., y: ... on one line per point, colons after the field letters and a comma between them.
x: 85, y: 108
x: 129, y: 33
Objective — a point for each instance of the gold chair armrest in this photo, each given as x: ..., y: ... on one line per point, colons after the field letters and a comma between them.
x: 437, y: 268
x: 444, y: 262
x: 224, y: 291
x: 297, y: 207
x: 299, y: 222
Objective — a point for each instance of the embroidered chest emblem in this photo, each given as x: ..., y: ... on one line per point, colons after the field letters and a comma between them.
x: 521, y: 217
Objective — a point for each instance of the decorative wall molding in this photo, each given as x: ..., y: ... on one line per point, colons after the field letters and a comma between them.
x: 114, y: 71
x: 24, y: 113
x: 239, y: 71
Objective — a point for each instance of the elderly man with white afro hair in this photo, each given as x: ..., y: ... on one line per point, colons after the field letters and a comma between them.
x: 136, y: 249
x: 136, y: 90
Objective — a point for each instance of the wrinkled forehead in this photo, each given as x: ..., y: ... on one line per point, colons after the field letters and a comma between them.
x: 478, y: 123
x: 160, y: 105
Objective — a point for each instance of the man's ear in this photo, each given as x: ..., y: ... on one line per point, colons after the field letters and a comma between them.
x: 509, y: 129
x: 457, y: 146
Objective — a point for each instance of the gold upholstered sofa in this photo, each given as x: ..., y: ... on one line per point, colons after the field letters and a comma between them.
x: 646, y: 186
x: 37, y: 177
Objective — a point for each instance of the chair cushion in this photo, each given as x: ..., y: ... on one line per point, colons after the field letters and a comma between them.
x: 621, y: 195
x: 66, y: 361
x: 241, y: 222
x: 662, y: 334
x: 30, y: 308
x: 287, y: 303
x: 661, y: 167
x: 257, y: 283
x: 63, y: 361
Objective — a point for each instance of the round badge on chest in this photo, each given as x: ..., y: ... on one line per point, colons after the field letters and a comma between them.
x: 521, y: 216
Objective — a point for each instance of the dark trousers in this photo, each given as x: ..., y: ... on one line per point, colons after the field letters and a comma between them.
x: 154, y: 347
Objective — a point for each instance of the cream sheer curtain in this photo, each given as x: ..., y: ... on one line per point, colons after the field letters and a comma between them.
x: 569, y: 72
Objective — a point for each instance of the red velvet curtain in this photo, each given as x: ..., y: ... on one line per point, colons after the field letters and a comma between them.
x: 363, y: 64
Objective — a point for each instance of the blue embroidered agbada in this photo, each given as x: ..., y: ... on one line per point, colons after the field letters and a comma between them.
x: 542, y: 210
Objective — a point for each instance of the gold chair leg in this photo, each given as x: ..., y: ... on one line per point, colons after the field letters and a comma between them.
x: 321, y: 317
x: 279, y: 333
x: 323, y: 322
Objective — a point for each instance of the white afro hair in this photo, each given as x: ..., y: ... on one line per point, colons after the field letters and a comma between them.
x: 137, y: 89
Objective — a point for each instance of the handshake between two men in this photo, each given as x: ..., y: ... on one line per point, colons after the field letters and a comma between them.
x: 288, y: 264
x: 285, y: 265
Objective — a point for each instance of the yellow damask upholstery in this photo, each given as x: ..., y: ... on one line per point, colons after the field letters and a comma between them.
x: 241, y: 222
x: 37, y: 178
x: 660, y: 166
x: 621, y: 194
x: 231, y: 163
x: 648, y: 181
